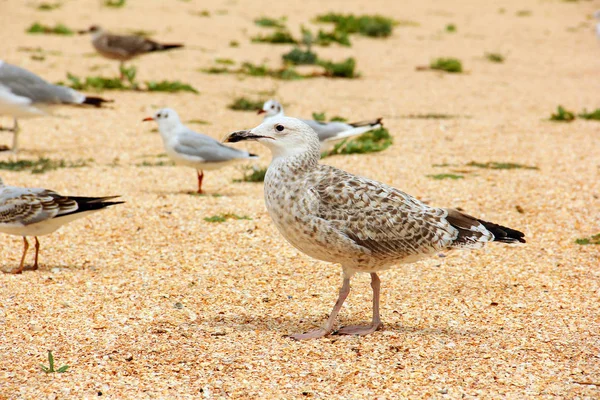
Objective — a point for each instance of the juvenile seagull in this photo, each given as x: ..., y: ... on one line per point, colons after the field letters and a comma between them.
x: 124, y: 47
x: 192, y: 149
x: 36, y: 212
x: 330, y: 133
x: 23, y: 94
x: 365, y: 225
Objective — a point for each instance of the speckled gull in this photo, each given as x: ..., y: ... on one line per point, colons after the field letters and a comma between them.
x: 193, y: 149
x: 36, y: 212
x: 124, y: 47
x: 365, y: 225
x: 330, y: 133
x: 23, y: 94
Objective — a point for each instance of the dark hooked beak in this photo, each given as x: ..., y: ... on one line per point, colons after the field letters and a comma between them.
x: 148, y: 119
x: 261, y: 111
x: 239, y: 136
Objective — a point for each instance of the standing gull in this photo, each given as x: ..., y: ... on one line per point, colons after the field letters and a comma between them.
x: 330, y: 133
x: 365, y: 225
x: 23, y: 94
x: 192, y: 149
x: 124, y: 47
x: 36, y: 212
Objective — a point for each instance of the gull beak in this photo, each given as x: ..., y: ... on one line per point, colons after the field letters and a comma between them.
x: 261, y: 111
x: 239, y: 136
x: 83, y: 31
x: 148, y: 119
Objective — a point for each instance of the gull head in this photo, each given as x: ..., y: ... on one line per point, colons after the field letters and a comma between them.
x: 167, y: 119
x: 271, y: 108
x: 94, y: 30
x: 284, y: 136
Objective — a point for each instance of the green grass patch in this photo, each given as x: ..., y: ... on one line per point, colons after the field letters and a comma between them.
x: 369, y: 142
x: 500, y: 165
x: 42, y: 165
x: 451, y: 28
x: 224, y: 61
x: 344, y: 69
x: 327, y: 38
x: 562, y: 115
x: 595, y: 239
x: 280, y: 36
x: 452, y: 65
x: 198, y: 122
x: 440, y: 177
x: 225, y: 217
x: 58, y: 29
x: 48, y: 6
x: 95, y: 83
x: 115, y: 3
x: 594, y: 115
x: 495, y: 57
x: 169, y: 86
x: 298, y: 56
x: 234, y: 43
x: 50, y: 368
x: 432, y: 116
x: 216, y: 70
x: 366, y: 25
x: 141, y: 32
x: 161, y: 163
x: 267, y: 22
x: 252, y: 174
x: 246, y: 104
x: 524, y: 13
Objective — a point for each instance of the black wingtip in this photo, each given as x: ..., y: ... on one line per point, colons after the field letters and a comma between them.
x: 172, y: 46
x: 504, y: 234
x: 95, y: 101
x: 253, y: 155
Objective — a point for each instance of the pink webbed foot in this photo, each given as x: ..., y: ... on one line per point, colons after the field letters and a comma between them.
x: 319, y: 333
x: 360, y: 330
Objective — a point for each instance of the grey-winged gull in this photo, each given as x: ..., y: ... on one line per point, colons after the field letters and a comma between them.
x: 36, y: 212
x: 124, y: 47
x: 330, y: 133
x: 23, y: 94
x: 365, y: 225
x: 193, y: 149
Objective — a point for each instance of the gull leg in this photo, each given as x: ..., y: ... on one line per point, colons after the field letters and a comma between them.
x: 376, y: 323
x: 37, y: 251
x: 121, y: 66
x: 200, y: 178
x: 16, y: 130
x: 332, y: 317
x: 22, y: 264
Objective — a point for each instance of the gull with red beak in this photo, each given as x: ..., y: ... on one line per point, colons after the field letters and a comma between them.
x: 192, y: 149
x: 364, y: 225
x: 330, y: 133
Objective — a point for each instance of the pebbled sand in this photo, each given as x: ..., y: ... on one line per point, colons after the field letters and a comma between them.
x: 147, y: 300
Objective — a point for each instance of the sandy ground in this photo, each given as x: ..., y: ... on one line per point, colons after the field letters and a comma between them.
x: 147, y: 300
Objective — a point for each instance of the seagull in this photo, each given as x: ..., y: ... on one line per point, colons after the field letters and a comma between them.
x: 36, y: 212
x: 23, y: 94
x: 364, y: 225
x: 330, y: 133
x: 124, y: 47
x: 192, y: 149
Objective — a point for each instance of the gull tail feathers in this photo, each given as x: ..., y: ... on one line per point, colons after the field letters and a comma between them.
x: 374, y: 123
x: 95, y: 101
x: 353, y: 132
x: 165, y: 47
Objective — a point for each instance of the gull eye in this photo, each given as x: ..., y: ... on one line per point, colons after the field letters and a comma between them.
x: 279, y: 127
x: 159, y: 115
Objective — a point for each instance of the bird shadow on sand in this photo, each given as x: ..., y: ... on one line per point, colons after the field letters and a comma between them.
x: 289, y: 325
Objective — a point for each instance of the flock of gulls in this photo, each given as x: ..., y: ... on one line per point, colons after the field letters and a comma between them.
x: 327, y: 213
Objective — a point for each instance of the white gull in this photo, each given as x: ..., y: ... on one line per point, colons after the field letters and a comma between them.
x: 192, y: 149
x: 23, y: 94
x: 330, y: 133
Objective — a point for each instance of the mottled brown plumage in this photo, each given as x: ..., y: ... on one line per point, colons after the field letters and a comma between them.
x: 363, y: 224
